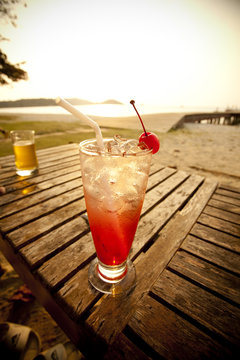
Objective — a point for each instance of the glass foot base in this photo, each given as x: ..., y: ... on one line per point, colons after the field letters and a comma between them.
x: 124, y: 286
x: 25, y: 172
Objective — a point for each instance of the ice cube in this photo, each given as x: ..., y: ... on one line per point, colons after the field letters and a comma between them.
x: 129, y: 146
x: 119, y: 139
x: 124, y: 146
x: 93, y: 192
x: 113, y: 147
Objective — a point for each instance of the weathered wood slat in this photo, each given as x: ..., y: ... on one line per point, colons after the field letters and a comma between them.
x: 159, y: 176
x: 47, y: 162
x: 155, y: 167
x: 217, y: 237
x: 5, y: 160
x: 42, y: 248
x: 40, y: 186
x: 40, y: 209
x: 207, y: 274
x: 163, y: 189
x: 56, y: 153
x: 171, y: 336
x: 222, y: 214
x: 216, y: 314
x: 210, y: 252
x: 226, y: 199
x: 153, y: 221
x: 231, y: 194
x: 13, y: 178
x: 8, y: 176
x: 219, y: 224
x: 58, y: 149
x: 23, y: 236
x: 123, y: 348
x: 64, y: 160
x: 34, y: 199
x: 44, y: 158
x: 71, y: 259
x: 224, y: 206
x: 229, y: 187
x: 6, y: 168
x: 149, y: 267
x: 76, y: 296
x: 70, y: 167
x: 44, y: 161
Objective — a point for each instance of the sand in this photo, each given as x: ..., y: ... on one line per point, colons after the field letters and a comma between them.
x: 209, y: 150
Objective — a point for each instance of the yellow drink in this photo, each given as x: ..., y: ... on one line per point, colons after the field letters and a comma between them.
x: 25, y: 157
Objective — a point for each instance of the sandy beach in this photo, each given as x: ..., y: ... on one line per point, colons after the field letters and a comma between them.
x: 209, y: 150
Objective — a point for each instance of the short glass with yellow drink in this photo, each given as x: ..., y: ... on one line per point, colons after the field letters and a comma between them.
x: 24, y: 151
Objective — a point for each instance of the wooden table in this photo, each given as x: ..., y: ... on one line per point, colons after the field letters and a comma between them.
x: 186, y: 253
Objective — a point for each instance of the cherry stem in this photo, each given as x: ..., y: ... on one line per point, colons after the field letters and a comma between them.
x: 132, y: 102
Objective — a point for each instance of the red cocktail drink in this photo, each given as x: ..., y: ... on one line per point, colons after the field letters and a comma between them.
x: 112, y: 245
x: 114, y: 182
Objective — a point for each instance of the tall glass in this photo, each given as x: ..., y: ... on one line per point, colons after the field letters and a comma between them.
x: 114, y: 188
x: 24, y: 150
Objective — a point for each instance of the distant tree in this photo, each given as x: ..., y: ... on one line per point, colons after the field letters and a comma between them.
x: 9, y: 72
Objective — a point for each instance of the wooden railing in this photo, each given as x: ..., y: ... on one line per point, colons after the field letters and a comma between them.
x: 220, y: 118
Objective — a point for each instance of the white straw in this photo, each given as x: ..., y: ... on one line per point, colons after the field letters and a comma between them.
x: 67, y: 106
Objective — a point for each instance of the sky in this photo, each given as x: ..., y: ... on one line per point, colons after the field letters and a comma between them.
x: 165, y: 52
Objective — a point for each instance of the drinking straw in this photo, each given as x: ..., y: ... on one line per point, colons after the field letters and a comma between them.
x: 67, y: 106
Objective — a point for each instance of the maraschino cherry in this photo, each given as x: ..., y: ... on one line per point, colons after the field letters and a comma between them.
x: 149, y: 139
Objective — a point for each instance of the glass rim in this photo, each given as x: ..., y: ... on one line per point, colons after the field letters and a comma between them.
x: 100, y: 152
x: 22, y: 131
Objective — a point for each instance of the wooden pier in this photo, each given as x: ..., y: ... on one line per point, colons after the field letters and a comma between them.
x: 219, y: 118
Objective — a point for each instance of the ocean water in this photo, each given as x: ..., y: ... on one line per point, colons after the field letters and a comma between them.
x: 106, y: 110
